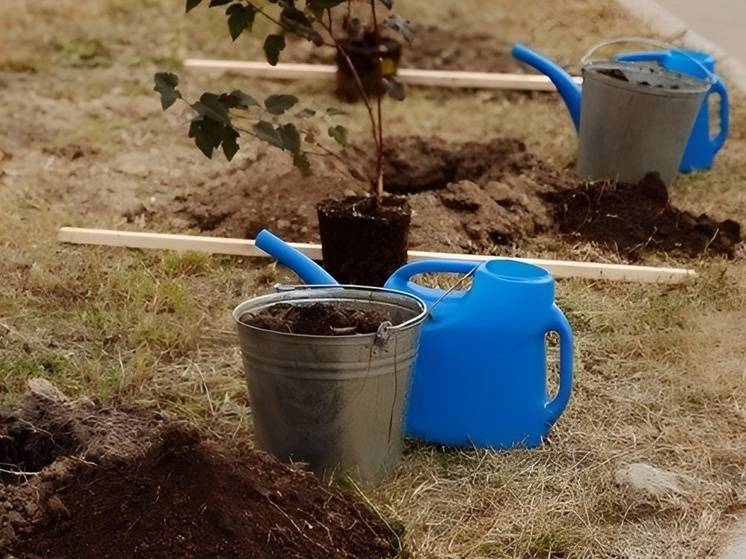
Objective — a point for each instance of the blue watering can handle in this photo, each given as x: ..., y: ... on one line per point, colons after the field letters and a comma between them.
x: 719, y: 88
x: 401, y: 278
x: 558, y: 323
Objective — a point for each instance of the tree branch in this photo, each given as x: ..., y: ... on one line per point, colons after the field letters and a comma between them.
x: 361, y: 90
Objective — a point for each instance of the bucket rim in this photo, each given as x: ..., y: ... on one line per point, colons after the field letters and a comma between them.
x: 275, y: 298
x: 694, y: 86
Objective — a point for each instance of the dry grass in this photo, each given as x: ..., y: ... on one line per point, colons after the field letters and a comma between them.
x: 660, y: 376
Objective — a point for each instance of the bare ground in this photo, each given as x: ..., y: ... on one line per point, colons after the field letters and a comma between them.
x: 660, y: 377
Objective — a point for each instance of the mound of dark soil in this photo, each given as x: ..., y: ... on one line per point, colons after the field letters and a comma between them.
x: 414, y: 164
x: 634, y: 218
x: 178, y: 496
x: 465, y: 197
x: 432, y: 48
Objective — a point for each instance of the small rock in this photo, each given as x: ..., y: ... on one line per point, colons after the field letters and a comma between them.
x: 131, y: 211
x: 42, y: 388
x: 648, y: 479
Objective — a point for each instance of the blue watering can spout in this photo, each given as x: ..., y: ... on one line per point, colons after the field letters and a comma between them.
x: 566, y: 86
x: 307, y: 269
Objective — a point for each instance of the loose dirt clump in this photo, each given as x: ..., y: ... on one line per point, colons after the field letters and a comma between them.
x: 318, y: 319
x: 167, y: 493
x: 414, y: 164
x: 465, y: 197
x: 636, y: 218
x: 432, y: 48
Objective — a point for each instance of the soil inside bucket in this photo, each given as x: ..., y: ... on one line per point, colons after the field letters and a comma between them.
x: 318, y: 319
x: 164, y: 492
x: 363, y: 239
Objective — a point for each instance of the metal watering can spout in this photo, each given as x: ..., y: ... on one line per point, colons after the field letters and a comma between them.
x: 566, y: 86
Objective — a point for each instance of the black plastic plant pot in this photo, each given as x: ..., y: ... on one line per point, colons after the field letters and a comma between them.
x: 363, y: 239
x: 367, y: 56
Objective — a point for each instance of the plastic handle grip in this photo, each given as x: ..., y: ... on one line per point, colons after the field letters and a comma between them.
x: 558, y: 323
x: 719, y: 88
x: 400, y: 279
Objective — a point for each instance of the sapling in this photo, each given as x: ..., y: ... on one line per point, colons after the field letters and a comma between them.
x: 221, y: 119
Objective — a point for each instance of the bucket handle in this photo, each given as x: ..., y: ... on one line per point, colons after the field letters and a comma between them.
x: 401, y: 279
x: 558, y: 323
x: 711, y: 77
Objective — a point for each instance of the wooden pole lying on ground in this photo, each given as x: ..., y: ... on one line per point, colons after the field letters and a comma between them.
x: 438, y: 78
x: 244, y: 247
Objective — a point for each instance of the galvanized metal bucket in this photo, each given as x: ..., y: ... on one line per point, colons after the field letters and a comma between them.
x: 334, y: 402
x: 637, y: 124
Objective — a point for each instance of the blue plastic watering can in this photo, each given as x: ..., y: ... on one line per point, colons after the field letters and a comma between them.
x: 701, y: 148
x: 480, y: 378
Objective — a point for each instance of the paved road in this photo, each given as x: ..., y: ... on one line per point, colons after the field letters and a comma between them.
x: 723, y: 22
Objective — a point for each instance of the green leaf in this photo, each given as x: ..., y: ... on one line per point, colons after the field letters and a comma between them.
x: 290, y: 138
x: 333, y: 111
x: 300, y: 160
x: 278, y: 104
x: 394, y: 88
x: 296, y: 21
x: 207, y: 134
x: 240, y: 17
x: 191, y: 4
x: 273, y: 46
x: 237, y: 99
x: 305, y: 113
x: 215, y: 3
x: 401, y: 25
x: 267, y: 133
x: 230, y: 146
x: 212, y: 106
x: 339, y: 133
x: 165, y: 84
x: 318, y: 5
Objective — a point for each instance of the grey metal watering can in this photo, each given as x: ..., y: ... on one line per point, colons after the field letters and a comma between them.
x: 636, y: 116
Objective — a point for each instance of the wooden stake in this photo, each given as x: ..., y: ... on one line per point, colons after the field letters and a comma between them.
x: 243, y: 247
x: 437, y: 78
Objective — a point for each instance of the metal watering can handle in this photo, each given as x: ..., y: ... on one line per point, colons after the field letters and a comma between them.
x: 711, y: 78
x: 558, y: 323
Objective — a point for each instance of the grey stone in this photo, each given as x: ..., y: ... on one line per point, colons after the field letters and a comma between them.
x: 649, y: 480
